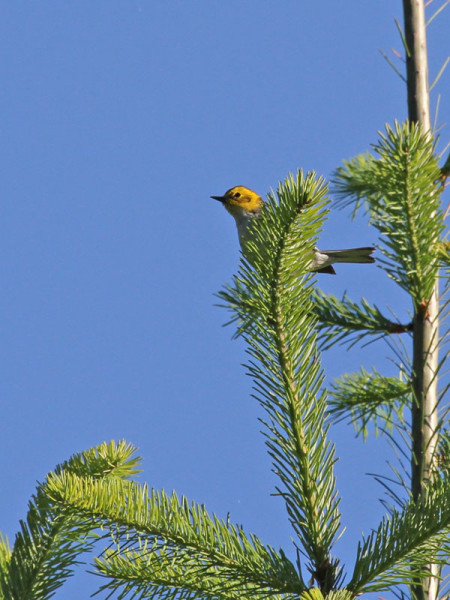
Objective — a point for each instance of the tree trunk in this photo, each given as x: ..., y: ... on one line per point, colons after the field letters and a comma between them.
x: 426, y: 322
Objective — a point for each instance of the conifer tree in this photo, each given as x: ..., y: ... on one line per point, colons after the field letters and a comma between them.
x: 410, y: 223
x: 157, y: 545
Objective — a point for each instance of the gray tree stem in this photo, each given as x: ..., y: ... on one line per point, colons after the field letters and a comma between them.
x: 426, y: 318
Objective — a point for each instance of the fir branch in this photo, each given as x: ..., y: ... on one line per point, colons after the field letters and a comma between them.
x: 404, y: 541
x: 365, y: 398
x: 401, y: 190
x: 352, y: 183
x: 444, y: 253
x: 271, y: 302
x: 50, y: 541
x: 316, y: 594
x: 442, y: 458
x: 445, y: 169
x: 161, y: 537
x: 346, y: 321
x: 155, y: 572
x: 45, y: 550
x: 5, y: 554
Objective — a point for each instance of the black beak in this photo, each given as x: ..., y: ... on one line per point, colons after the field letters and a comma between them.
x: 219, y: 198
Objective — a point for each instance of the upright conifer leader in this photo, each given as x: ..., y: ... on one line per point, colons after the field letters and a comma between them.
x: 426, y: 314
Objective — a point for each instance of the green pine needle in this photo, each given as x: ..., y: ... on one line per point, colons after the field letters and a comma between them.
x: 166, y: 541
x: 364, y: 398
x: 271, y: 303
x: 405, y: 540
x: 51, y: 540
x: 347, y: 321
x: 400, y: 188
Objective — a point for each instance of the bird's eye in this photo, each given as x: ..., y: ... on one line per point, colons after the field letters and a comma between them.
x: 237, y: 195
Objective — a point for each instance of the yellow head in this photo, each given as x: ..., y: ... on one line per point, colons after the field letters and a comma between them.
x: 239, y: 201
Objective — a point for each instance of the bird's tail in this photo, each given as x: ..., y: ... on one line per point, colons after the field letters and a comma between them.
x: 351, y: 255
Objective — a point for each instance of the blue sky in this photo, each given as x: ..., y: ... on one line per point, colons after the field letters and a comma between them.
x: 118, y: 121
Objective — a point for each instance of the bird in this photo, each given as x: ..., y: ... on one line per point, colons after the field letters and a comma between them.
x: 245, y: 205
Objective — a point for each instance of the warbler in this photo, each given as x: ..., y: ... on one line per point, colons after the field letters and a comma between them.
x: 245, y: 205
